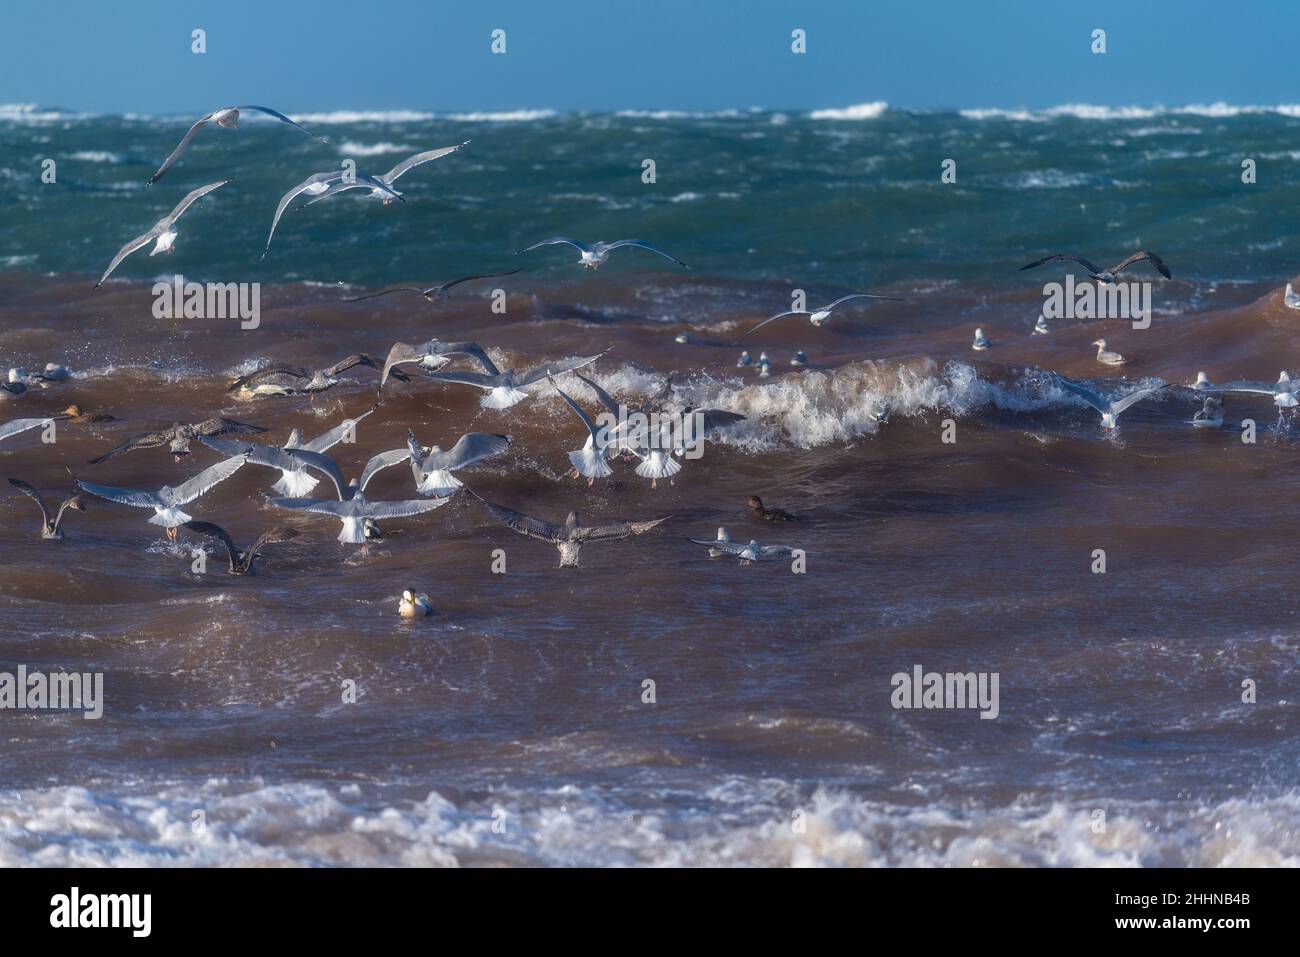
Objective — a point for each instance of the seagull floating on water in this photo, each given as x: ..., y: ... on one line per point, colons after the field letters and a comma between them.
x: 167, y: 501
x: 242, y: 559
x: 51, y: 527
x: 14, y: 388
x: 819, y: 317
x: 1107, y: 358
x: 798, y: 359
x: 1211, y: 414
x: 748, y: 554
x: 594, y: 255
x: 1291, y: 298
x: 744, y: 360
x: 1110, y: 410
x: 227, y: 117
x: 569, y: 537
x: 163, y: 233
x: 434, y: 293
x: 1040, y: 327
x: 1106, y: 276
x: 981, y: 341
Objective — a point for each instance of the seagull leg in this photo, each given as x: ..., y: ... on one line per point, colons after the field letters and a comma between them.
x: 171, y: 534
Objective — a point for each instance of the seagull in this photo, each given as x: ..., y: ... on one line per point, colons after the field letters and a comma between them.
x: 819, y: 317
x: 14, y: 387
x: 432, y: 355
x: 569, y: 537
x: 503, y: 391
x: 589, y: 461
x: 764, y: 367
x: 381, y: 187
x: 298, y: 482
x: 167, y: 501
x: 179, y: 436
x: 657, y: 455
x: 434, y: 293
x: 290, y: 462
x: 1202, y: 382
x: 981, y: 341
x: 1106, y: 276
x: 241, y: 560
x: 227, y: 117
x: 353, y: 509
x: 716, y: 545
x: 432, y: 467
x: 1290, y: 297
x: 744, y: 360
x: 1040, y: 327
x: 282, y: 379
x: 1107, y: 358
x: 1211, y: 414
x: 14, y: 426
x: 748, y: 554
x: 1283, y: 392
x: 316, y: 185
x: 163, y: 233
x: 1110, y: 410
x: 51, y: 528
x: 597, y: 254
x: 414, y: 605
x: 798, y: 359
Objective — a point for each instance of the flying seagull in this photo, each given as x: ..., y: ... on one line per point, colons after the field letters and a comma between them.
x: 596, y: 254
x: 179, y: 436
x: 290, y: 462
x: 167, y: 501
x: 297, y: 482
x: 819, y: 317
x: 381, y: 186
x: 589, y: 461
x: 1106, y: 275
x: 433, y: 467
x: 433, y: 293
x: 51, y: 528
x: 431, y: 355
x: 316, y: 185
x: 503, y: 391
x: 569, y: 537
x: 1110, y: 410
x: 241, y: 560
x: 356, y: 511
x: 229, y: 118
x: 1285, y: 393
x: 280, y: 378
x: 163, y: 233
x: 748, y: 554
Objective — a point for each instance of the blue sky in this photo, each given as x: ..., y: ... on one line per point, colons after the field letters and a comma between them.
x: 134, y: 56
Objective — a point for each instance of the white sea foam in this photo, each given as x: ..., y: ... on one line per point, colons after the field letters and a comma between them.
x: 365, y: 116
x: 502, y: 116
x: 352, y: 148
x: 738, y: 822
x: 97, y: 156
x: 1092, y: 111
x: 859, y: 111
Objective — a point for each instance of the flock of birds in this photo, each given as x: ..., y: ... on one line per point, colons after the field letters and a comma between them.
x: 658, y: 447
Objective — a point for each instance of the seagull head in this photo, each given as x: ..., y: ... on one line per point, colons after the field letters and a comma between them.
x: 1100, y: 343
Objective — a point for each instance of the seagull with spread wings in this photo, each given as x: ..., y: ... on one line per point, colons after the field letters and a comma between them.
x: 227, y: 117
x: 503, y: 390
x: 820, y: 316
x: 281, y: 378
x: 569, y: 537
x: 242, y: 559
x: 1110, y: 409
x: 51, y: 527
x: 319, y: 184
x: 432, y: 466
x: 163, y: 233
x: 434, y: 293
x: 167, y: 501
x: 178, y: 437
x: 432, y: 355
x: 1106, y: 276
x: 381, y: 186
x: 596, y: 254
